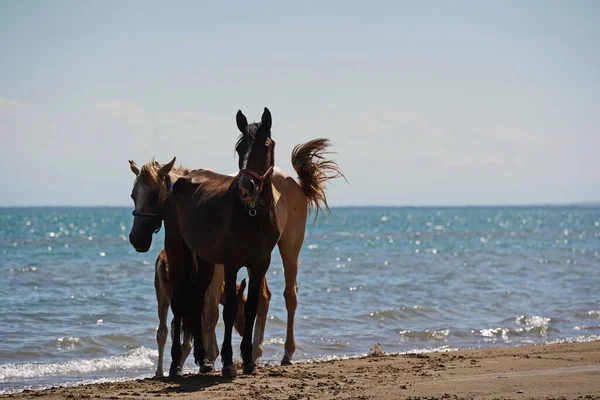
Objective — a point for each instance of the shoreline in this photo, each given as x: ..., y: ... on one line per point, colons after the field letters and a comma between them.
x: 568, y: 370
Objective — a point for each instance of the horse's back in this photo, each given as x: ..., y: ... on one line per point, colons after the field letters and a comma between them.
x: 200, y: 185
x: 206, y: 177
x: 292, y: 204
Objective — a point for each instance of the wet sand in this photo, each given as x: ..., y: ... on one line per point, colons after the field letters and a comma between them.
x: 561, y: 371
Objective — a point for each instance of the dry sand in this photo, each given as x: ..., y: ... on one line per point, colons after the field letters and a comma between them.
x: 570, y: 371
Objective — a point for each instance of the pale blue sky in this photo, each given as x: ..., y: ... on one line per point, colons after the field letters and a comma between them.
x: 428, y: 103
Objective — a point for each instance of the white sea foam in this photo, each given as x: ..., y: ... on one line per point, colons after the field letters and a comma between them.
x: 594, y: 313
x: 72, y: 384
x: 576, y: 339
x: 494, y: 333
x: 134, y: 359
x: 428, y: 335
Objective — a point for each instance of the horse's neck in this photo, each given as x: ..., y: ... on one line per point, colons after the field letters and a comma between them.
x: 267, y: 204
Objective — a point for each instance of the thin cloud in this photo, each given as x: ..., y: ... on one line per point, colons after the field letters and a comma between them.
x: 14, y: 104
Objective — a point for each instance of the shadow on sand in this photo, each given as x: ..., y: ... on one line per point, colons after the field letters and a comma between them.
x: 190, y: 383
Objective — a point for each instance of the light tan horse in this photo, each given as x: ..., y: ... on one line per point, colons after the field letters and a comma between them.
x: 164, y: 291
x: 294, y: 199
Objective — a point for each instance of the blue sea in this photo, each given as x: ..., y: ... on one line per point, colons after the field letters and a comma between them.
x: 78, y: 303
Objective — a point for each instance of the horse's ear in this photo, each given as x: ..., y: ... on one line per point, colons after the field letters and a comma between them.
x: 242, y: 287
x: 165, y: 169
x: 134, y: 168
x: 242, y: 122
x: 266, y: 120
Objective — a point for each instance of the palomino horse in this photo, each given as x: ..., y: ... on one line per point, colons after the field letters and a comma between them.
x: 235, y: 221
x: 164, y: 291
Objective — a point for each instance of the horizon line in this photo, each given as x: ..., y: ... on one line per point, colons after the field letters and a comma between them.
x: 466, y: 205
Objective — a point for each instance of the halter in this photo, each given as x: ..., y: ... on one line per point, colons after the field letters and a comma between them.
x: 260, y: 178
x: 139, y: 214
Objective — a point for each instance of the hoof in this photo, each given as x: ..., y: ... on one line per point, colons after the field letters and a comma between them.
x: 159, y: 374
x: 286, y: 361
x: 257, y: 352
x: 229, y: 372
x: 250, y: 369
x: 175, y: 373
x: 207, y: 367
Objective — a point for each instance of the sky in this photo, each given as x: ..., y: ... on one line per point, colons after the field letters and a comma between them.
x: 426, y: 103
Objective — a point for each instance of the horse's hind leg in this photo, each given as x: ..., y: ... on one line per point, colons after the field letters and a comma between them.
x: 290, y: 249
x: 175, y: 369
x: 162, y: 332
x: 203, y: 280
x: 261, y: 319
x: 211, y: 317
x: 186, y: 347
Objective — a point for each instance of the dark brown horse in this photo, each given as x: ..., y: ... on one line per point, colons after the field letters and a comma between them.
x: 150, y: 190
x: 231, y: 221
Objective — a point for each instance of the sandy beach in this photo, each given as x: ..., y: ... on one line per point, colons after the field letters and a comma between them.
x: 570, y: 371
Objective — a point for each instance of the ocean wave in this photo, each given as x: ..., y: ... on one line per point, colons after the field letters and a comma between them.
x: 533, y: 323
x: 589, y: 314
x: 134, y: 359
x: 495, y: 333
x: 403, y: 313
x: 275, y: 340
x: 527, y: 326
x: 427, y: 335
x: 576, y: 339
x: 586, y: 327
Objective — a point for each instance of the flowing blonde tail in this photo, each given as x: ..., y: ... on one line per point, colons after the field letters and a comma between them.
x: 314, y: 170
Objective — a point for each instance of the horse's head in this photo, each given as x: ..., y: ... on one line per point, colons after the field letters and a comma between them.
x: 256, y: 151
x: 150, y: 190
x: 240, y: 318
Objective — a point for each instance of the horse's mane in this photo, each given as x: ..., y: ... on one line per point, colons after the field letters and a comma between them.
x: 149, y: 171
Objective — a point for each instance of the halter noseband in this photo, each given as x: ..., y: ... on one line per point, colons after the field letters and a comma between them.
x: 158, y: 216
x: 261, y: 178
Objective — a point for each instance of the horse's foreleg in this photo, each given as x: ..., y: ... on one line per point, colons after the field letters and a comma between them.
x: 257, y: 274
x: 261, y: 319
x: 229, y: 314
x: 289, y: 256
x: 162, y: 332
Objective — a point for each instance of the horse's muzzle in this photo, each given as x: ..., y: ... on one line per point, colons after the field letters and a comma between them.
x: 248, y: 190
x: 141, y: 243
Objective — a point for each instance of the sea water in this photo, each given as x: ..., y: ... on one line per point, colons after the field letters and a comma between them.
x: 78, y: 303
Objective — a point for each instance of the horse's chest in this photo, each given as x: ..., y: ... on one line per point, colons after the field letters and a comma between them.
x: 256, y: 244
